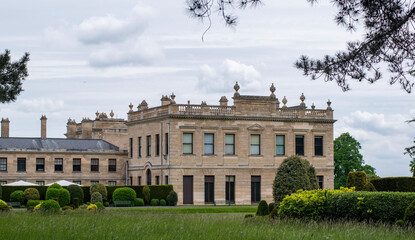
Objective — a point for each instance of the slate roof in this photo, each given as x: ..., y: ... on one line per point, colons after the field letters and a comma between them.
x: 57, y: 143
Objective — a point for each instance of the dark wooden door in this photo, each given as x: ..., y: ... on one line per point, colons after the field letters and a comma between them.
x: 187, y: 189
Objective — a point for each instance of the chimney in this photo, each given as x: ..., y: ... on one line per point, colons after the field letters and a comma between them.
x: 70, y: 128
x: 165, y: 100
x: 5, y: 127
x: 223, y: 101
x: 43, y: 126
x: 86, y: 125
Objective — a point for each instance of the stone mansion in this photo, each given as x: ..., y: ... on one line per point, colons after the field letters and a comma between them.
x: 209, y: 153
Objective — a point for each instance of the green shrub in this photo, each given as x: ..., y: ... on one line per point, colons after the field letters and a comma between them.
x: 3, y: 206
x: 172, y: 198
x: 49, y: 206
x: 146, y: 193
x: 7, y: 190
x: 162, y: 202
x: 33, y: 203
x: 124, y: 194
x: 96, y: 197
x: 293, y: 174
x: 156, y: 191
x: 31, y: 194
x: 262, y: 209
x: 394, y: 184
x: 274, y: 213
x: 99, y: 187
x: 76, y: 192
x: 138, y: 202
x: 409, y: 216
x: 87, y: 194
x: 356, y: 179
x: 66, y: 208
x: 100, y: 206
x: 62, y: 195
x: 271, y: 206
x: 55, y: 185
x: 375, y: 206
x: 17, y: 196
x: 106, y: 204
x: 154, y: 202
x: 369, y: 187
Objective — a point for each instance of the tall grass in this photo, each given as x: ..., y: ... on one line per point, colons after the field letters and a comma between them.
x: 123, y: 224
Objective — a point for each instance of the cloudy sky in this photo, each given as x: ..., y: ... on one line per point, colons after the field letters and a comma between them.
x: 101, y: 55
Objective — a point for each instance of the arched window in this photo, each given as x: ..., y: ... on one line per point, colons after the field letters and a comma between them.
x: 148, y: 177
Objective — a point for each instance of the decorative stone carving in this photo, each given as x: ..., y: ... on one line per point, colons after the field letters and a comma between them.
x: 172, y: 96
x: 112, y: 114
x: 236, y: 87
x: 312, y: 106
x: 131, y: 107
x: 284, y: 101
x: 328, y: 105
x: 272, y: 89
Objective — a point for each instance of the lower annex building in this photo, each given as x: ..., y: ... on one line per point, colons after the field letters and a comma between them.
x: 209, y: 153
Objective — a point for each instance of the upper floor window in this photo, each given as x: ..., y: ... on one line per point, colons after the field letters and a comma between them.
x: 318, y: 145
x: 139, y: 146
x: 230, y: 144
x: 94, y: 165
x: 280, y: 145
x: 3, y: 164
x: 148, y: 146
x: 40, y: 164
x: 209, y: 144
x: 76, y: 166
x: 166, y: 138
x: 299, y: 145
x: 21, y: 164
x: 112, y: 165
x: 255, y: 144
x: 131, y: 147
x: 187, y: 143
x: 58, y: 164
x: 157, y: 144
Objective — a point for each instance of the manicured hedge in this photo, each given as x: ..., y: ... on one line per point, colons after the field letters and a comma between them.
x: 394, y: 184
x: 383, y: 206
x: 7, y: 190
x: 156, y: 191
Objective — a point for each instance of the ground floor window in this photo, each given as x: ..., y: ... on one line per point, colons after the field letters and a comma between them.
x: 255, y: 189
x: 166, y: 179
x: 77, y: 182
x: 209, y: 189
x: 112, y: 183
x: 94, y: 182
x: 157, y: 180
x: 40, y: 183
x: 230, y: 189
x: 139, y: 180
x: 3, y: 182
x: 320, y: 181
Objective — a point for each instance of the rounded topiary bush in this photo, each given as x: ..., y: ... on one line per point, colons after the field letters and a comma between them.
x: 271, y: 206
x: 138, y: 202
x: 293, y: 174
x: 3, y: 206
x: 55, y: 185
x: 162, y: 202
x: 356, y: 179
x: 17, y: 196
x: 96, y: 197
x: 62, y: 195
x: 262, y: 209
x: 124, y: 194
x: 154, y: 202
x: 76, y: 192
x: 409, y: 216
x: 99, y: 187
x: 32, y: 203
x: 49, y: 206
x: 172, y: 198
x: 31, y: 194
x: 106, y: 204
x: 146, y: 193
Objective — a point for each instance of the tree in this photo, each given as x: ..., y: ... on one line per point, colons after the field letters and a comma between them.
x: 293, y: 174
x: 387, y: 46
x: 12, y: 75
x: 347, y: 158
x: 411, y: 152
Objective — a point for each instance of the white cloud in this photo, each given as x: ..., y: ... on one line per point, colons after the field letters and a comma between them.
x: 133, y: 52
x: 41, y: 105
x: 223, y: 77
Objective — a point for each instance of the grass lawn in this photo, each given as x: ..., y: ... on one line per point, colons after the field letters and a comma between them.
x: 179, y: 223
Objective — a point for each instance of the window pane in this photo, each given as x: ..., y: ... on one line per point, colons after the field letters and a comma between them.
x: 254, y: 150
x: 209, y: 138
x: 280, y: 140
x: 280, y: 150
x: 187, y: 138
x: 187, y: 148
x: 254, y: 139
x: 208, y: 149
x: 229, y: 149
x: 229, y: 139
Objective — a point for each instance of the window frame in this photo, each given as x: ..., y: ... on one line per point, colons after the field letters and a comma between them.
x: 139, y: 147
x: 187, y: 144
x: 131, y: 148
x: 21, y: 164
x: 157, y: 144
x: 209, y: 145
x: 94, y: 167
x: 166, y: 139
x: 279, y: 145
x: 298, y: 146
x: 255, y: 145
x: 3, y: 164
x: 321, y: 147
x: 40, y: 183
x: 74, y: 166
x: 112, y: 165
x: 320, y: 181
x: 58, y: 164
x: 148, y: 145
x: 112, y: 183
x: 230, y: 144
x: 38, y: 169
